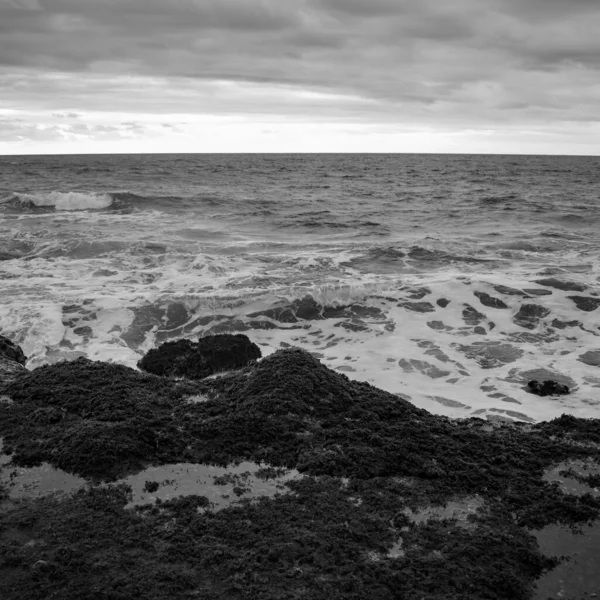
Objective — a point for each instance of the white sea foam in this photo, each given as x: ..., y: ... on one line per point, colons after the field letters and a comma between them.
x: 67, y: 200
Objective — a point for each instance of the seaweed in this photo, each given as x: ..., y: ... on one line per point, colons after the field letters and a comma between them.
x: 342, y: 531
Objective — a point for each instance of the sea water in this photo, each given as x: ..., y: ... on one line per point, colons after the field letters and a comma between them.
x: 448, y: 280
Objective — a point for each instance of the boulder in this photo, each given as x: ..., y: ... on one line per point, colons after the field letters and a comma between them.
x: 10, y: 351
x: 197, y: 360
x: 12, y: 361
x: 547, y: 388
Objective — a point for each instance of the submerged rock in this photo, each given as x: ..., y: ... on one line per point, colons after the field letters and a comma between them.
x: 490, y: 301
x: 529, y: 315
x: 585, y: 303
x: 547, y: 388
x: 197, y: 360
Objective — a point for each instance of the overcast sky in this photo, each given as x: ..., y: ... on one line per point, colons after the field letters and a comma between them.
x: 514, y: 76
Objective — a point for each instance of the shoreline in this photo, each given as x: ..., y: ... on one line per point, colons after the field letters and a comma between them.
x: 364, y: 518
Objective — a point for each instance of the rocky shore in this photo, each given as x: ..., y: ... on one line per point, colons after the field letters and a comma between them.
x: 368, y: 517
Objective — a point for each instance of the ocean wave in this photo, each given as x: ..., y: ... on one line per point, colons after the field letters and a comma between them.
x: 61, y: 201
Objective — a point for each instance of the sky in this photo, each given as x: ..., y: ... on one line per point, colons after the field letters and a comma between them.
x: 466, y: 76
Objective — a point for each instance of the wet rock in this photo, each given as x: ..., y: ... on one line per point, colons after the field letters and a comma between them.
x: 529, y: 315
x: 10, y: 371
x: 490, y: 355
x: 559, y: 284
x: 585, y: 303
x: 197, y: 360
x: 83, y: 331
x: 420, y: 307
x: 443, y: 302
x: 418, y: 293
x: 538, y: 292
x: 490, y: 301
x: 591, y: 358
x: 11, y: 351
x: 471, y: 316
x: 547, y: 388
x: 508, y: 291
x: 558, y: 324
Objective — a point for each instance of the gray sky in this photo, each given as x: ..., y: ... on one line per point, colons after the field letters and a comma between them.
x: 516, y: 76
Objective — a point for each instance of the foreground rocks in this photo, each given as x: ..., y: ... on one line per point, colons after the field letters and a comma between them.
x: 12, y: 361
x: 197, y: 360
x: 369, y: 458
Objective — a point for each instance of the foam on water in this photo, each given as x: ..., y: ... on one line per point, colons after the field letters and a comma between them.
x: 66, y: 200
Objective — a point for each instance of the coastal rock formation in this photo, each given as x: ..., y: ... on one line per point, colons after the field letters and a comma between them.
x: 350, y: 528
x: 10, y: 351
x: 547, y: 388
x: 197, y: 360
x: 12, y: 361
x: 529, y: 315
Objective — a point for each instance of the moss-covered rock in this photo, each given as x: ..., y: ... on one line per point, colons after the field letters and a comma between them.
x: 197, y: 360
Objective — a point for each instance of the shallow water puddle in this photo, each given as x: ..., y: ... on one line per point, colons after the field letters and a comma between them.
x: 221, y: 485
x: 578, y: 576
x: 458, y: 510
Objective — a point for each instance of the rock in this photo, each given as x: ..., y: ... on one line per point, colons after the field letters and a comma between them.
x: 197, y: 360
x: 591, y: 358
x: 490, y: 301
x: 443, y: 302
x: 565, y: 286
x: 564, y: 324
x: 585, y: 303
x: 537, y: 292
x: 151, y: 486
x: 421, y: 307
x: 10, y: 351
x: 472, y: 316
x: 508, y: 291
x: 529, y: 315
x: 10, y: 371
x: 547, y: 388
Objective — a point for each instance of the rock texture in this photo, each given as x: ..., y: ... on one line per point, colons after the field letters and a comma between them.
x: 197, y: 360
x: 547, y: 388
x: 12, y: 361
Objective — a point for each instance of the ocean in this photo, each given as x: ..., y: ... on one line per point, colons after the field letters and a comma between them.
x: 449, y: 280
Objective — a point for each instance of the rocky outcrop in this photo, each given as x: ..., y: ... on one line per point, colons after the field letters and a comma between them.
x: 10, y: 351
x: 547, y: 388
x: 12, y: 361
x: 197, y: 360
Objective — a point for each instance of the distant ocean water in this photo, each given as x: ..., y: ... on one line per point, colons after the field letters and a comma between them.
x: 448, y: 280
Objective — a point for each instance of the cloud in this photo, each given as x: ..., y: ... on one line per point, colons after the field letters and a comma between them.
x: 459, y: 63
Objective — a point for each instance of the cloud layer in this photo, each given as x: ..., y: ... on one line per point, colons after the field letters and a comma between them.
x: 454, y: 66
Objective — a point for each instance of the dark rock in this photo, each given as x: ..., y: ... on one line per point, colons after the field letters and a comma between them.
x: 529, y: 315
x: 564, y: 324
x: 200, y: 359
x: 418, y: 293
x: 547, y: 388
x: 565, y: 286
x: 83, y: 331
x: 508, y: 291
x: 537, y: 292
x: 443, y: 302
x: 10, y: 371
x: 490, y: 301
x: 151, y: 486
x: 585, y: 303
x: 591, y: 358
x: 420, y: 307
x: 471, y: 316
x: 10, y: 351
